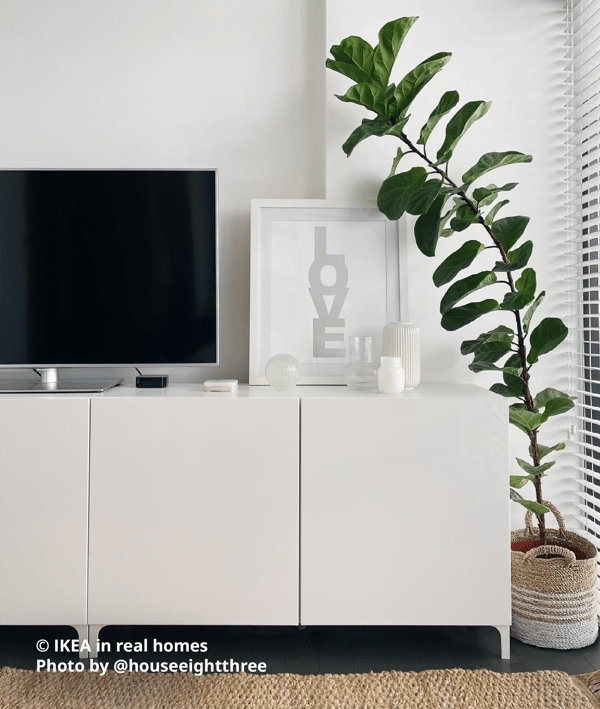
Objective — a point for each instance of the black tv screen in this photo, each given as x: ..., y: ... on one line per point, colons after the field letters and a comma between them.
x: 108, y: 267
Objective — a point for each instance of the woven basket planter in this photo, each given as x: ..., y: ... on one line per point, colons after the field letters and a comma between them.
x: 554, y: 600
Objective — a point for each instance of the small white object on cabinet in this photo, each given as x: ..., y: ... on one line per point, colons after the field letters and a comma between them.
x: 390, y: 376
x: 221, y: 385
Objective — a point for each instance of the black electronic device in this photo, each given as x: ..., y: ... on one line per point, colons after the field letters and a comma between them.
x: 152, y: 381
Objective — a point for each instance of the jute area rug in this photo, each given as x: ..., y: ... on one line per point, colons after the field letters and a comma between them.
x: 430, y: 689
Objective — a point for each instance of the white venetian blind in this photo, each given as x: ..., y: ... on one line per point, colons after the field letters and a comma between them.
x: 584, y: 189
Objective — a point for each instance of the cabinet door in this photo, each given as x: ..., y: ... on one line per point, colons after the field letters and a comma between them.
x: 405, y: 511
x: 43, y: 509
x: 194, y: 511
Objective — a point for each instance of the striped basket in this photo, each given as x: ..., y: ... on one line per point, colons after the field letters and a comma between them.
x: 554, y: 600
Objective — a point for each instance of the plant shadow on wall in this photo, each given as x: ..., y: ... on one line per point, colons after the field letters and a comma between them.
x: 445, y: 206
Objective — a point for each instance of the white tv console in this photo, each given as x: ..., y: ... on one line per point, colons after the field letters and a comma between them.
x: 320, y: 506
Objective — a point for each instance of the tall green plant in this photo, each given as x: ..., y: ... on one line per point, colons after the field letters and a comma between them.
x: 445, y: 206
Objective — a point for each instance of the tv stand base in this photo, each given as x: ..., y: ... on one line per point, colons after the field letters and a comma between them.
x: 62, y: 386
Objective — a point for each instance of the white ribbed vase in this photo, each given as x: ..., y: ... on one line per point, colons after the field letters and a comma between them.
x: 401, y: 339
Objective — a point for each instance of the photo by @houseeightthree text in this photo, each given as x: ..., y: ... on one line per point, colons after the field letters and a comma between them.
x: 189, y: 665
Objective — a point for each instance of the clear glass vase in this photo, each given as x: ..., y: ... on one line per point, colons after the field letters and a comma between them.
x: 361, y: 371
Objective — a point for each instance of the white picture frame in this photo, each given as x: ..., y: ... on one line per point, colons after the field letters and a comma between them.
x: 320, y: 272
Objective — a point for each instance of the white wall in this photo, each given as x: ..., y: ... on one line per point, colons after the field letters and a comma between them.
x: 512, y: 53
x: 185, y: 83
x: 241, y: 86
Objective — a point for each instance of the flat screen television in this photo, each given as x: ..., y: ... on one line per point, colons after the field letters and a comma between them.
x: 107, y: 268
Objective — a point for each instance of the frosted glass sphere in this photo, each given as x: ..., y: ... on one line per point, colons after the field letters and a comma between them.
x: 283, y: 372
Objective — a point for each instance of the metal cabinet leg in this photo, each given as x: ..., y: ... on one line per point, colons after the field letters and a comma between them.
x: 82, y: 632
x: 504, y: 631
x: 94, y: 631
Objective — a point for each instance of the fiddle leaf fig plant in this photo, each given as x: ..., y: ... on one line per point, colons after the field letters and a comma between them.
x: 445, y: 205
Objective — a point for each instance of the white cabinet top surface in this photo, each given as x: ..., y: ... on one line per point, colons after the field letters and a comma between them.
x: 424, y: 391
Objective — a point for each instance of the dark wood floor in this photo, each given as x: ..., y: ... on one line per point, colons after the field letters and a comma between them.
x: 314, y: 650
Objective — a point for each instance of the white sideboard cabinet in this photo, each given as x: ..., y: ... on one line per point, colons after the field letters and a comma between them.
x: 44, y: 453
x: 193, y: 509
x: 315, y: 506
x: 405, y: 509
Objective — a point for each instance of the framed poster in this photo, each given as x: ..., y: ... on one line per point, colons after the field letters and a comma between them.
x: 320, y: 272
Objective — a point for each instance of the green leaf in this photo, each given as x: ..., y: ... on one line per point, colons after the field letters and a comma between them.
x: 357, y: 135
x: 519, y: 481
x: 531, y: 310
x: 415, y: 80
x: 515, y: 386
x: 353, y: 57
x: 502, y: 389
x: 445, y: 105
x: 508, y: 187
x: 513, y: 362
x: 424, y: 197
x: 489, y: 348
x: 490, y: 353
x: 512, y: 375
x: 554, y: 402
x: 545, y: 337
x: 527, y: 282
x: 367, y: 95
x: 464, y: 287
x: 397, y: 191
x: 450, y: 212
x: 486, y: 195
x: 427, y: 227
x: 525, y: 286
x: 491, y: 215
x: 525, y: 420
x: 515, y: 301
x: 465, y: 216
x: 456, y: 318
x: 369, y: 126
x: 456, y: 262
x: 543, y: 451
x: 397, y: 128
x: 498, y: 333
x: 534, y: 469
x: 372, y: 126
x: 458, y: 125
x: 391, y: 37
x: 549, y: 394
x: 483, y: 366
x: 509, y: 230
x: 557, y: 406
x: 491, y: 161
x: 535, y: 507
x: 481, y: 193
x: 518, y: 258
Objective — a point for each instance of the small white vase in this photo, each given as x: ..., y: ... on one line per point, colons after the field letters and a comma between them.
x: 390, y: 375
x: 401, y: 339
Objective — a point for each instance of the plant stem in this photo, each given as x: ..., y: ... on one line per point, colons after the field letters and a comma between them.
x: 521, y: 350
